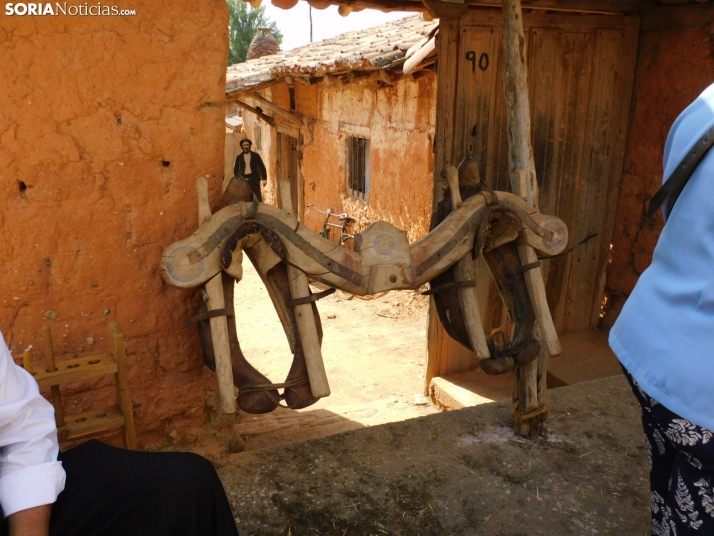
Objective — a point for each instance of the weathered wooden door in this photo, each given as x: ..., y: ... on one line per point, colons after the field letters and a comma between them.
x: 581, y: 73
x: 287, y: 170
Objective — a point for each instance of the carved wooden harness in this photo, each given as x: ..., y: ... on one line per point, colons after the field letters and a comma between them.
x: 488, y: 223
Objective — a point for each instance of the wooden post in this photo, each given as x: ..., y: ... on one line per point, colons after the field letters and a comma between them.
x: 465, y: 273
x: 219, y: 324
x: 122, y: 382
x: 52, y: 367
x: 303, y: 313
x: 530, y: 396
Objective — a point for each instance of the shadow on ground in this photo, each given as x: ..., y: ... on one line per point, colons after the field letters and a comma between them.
x: 457, y: 473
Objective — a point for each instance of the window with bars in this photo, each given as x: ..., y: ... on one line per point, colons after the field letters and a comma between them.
x: 258, y: 135
x: 358, y: 166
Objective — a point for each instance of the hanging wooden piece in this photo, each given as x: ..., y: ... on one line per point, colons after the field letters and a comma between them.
x: 219, y: 324
x: 465, y: 274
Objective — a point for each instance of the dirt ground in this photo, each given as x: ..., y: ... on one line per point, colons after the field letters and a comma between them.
x: 461, y: 472
x: 375, y: 358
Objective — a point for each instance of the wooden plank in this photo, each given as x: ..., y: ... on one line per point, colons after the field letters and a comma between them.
x: 580, y: 6
x: 565, y: 174
x: 445, y: 103
x: 122, y: 384
x: 74, y: 370
x: 90, y: 423
x: 618, y: 140
x: 597, y: 169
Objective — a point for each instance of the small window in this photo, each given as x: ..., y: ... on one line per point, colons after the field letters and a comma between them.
x: 358, y: 166
x: 258, y: 135
x: 291, y: 91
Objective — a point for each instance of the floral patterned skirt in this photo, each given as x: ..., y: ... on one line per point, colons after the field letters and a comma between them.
x: 681, y: 458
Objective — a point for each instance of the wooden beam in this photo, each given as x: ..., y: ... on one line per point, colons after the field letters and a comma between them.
x: 452, y: 10
x: 354, y: 77
x: 264, y: 117
x: 670, y: 17
x: 291, y: 117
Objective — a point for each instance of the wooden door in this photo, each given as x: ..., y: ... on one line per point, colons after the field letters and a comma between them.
x: 581, y: 73
x: 287, y: 170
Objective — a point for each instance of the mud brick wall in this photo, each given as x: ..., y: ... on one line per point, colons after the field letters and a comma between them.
x: 105, y: 122
x: 674, y: 66
x: 400, y: 121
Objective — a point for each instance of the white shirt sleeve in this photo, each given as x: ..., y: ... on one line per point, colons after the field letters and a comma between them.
x: 30, y: 474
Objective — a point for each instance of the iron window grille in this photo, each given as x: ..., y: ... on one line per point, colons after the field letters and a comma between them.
x: 358, y: 167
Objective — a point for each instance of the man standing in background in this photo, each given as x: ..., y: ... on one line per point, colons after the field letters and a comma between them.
x: 250, y: 166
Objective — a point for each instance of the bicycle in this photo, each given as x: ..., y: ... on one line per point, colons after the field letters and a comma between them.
x: 345, y: 222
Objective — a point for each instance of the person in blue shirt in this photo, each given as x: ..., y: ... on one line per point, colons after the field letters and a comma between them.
x: 664, y: 339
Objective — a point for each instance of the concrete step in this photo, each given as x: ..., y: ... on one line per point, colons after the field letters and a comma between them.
x: 586, y: 356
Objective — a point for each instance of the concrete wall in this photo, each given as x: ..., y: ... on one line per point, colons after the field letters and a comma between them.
x: 674, y: 66
x: 400, y: 120
x: 105, y: 122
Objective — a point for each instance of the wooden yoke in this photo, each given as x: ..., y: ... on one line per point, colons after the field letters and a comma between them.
x: 219, y: 324
x: 530, y: 396
x: 464, y: 275
x: 304, y: 314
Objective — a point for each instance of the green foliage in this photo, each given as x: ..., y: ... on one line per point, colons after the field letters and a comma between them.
x: 243, y: 24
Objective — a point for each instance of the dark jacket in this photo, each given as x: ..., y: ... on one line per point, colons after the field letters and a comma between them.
x: 256, y: 165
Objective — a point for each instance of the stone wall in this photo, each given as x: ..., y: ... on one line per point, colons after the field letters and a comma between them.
x: 674, y: 66
x: 105, y: 122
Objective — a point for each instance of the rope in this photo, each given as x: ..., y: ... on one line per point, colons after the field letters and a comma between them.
x: 528, y: 416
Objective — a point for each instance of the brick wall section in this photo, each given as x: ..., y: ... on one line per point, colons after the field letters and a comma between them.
x: 674, y: 66
x: 107, y: 121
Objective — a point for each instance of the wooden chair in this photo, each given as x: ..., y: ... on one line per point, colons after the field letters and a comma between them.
x: 72, y: 370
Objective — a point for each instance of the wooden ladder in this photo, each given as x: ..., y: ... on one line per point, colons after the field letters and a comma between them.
x: 72, y: 370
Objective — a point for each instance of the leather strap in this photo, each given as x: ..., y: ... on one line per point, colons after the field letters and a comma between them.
x: 449, y: 286
x: 679, y: 178
x: 312, y: 298
x: 205, y: 315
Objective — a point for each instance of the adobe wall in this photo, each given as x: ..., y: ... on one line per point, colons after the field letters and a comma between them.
x: 674, y: 66
x: 105, y: 122
x: 400, y: 119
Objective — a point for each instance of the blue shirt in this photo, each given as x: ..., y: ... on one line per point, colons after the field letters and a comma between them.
x: 665, y: 334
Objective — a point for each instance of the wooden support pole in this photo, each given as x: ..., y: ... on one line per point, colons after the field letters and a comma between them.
x: 464, y: 273
x: 304, y: 314
x: 219, y: 324
x: 52, y: 367
x: 530, y: 397
x: 122, y: 383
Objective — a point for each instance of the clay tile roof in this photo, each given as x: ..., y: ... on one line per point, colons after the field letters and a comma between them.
x: 380, y: 47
